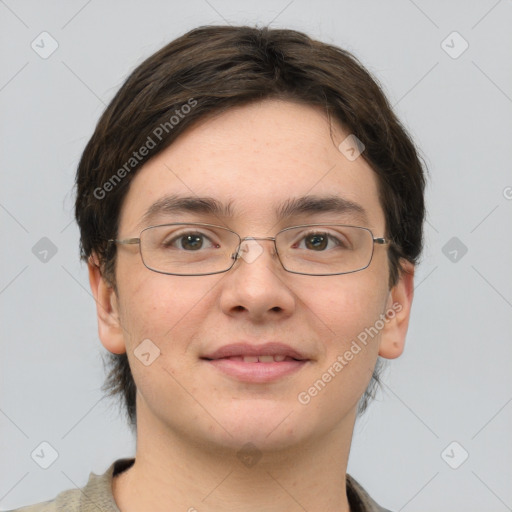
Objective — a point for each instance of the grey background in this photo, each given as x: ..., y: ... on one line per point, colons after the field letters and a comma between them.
x: 452, y: 384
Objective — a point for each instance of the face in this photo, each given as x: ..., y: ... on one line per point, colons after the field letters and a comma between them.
x: 255, y: 158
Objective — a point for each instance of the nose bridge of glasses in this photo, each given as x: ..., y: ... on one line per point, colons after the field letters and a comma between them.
x: 250, y: 249
x: 257, y: 238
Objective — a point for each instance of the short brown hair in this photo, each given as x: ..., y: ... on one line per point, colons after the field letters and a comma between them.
x: 212, y: 69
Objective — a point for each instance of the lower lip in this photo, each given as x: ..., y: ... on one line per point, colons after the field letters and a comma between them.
x: 256, y: 372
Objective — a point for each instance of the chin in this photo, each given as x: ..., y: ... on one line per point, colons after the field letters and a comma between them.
x: 268, y: 426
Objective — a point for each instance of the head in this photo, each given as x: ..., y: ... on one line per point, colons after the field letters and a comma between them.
x: 253, y: 118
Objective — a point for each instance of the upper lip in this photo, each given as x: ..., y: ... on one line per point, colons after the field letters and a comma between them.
x: 247, y: 349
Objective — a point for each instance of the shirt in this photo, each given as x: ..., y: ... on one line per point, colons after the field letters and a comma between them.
x: 97, y: 495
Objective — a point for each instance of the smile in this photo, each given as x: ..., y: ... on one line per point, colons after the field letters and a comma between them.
x: 256, y: 363
x: 277, y: 358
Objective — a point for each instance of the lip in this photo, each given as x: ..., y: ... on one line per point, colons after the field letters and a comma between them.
x: 248, y: 349
x: 256, y: 371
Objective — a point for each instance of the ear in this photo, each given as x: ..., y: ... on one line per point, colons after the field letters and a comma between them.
x: 398, y: 309
x: 109, y: 326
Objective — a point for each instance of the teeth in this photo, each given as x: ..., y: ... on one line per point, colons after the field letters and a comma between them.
x: 263, y: 359
x: 250, y: 359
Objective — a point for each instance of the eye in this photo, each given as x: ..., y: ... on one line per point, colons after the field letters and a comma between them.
x: 317, y: 241
x: 192, y: 242
x: 320, y: 242
x: 189, y: 242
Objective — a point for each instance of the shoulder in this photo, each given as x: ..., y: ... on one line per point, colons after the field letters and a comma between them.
x: 67, y: 500
x: 95, y: 495
x: 359, y: 499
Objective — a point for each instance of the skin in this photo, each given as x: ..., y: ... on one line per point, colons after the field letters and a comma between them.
x: 191, y: 419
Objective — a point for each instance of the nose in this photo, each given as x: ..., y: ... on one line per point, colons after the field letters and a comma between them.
x: 249, y: 249
x: 256, y: 287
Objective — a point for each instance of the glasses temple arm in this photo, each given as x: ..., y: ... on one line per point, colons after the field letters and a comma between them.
x: 126, y: 241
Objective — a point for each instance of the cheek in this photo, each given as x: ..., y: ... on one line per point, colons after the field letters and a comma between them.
x: 348, y: 304
x: 351, y: 310
x: 154, y: 305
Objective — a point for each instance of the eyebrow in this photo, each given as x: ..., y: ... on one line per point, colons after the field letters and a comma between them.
x: 321, y: 204
x: 174, y: 204
x: 187, y: 204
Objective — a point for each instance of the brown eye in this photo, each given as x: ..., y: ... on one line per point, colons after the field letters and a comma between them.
x: 191, y: 242
x: 317, y: 241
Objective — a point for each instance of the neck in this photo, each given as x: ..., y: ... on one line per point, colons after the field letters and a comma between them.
x: 173, y: 472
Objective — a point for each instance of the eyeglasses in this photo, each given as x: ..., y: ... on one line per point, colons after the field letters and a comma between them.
x: 196, y: 249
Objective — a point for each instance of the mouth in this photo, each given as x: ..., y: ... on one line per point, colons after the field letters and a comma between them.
x: 256, y: 363
x: 268, y: 358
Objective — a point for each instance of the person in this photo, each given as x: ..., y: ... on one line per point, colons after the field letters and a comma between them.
x: 251, y: 212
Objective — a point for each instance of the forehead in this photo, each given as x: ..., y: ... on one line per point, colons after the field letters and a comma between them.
x: 256, y: 160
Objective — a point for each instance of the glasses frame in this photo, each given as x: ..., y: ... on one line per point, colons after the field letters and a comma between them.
x: 237, y: 254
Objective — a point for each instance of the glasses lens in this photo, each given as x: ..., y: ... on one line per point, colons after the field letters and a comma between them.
x: 325, y: 250
x: 188, y: 249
